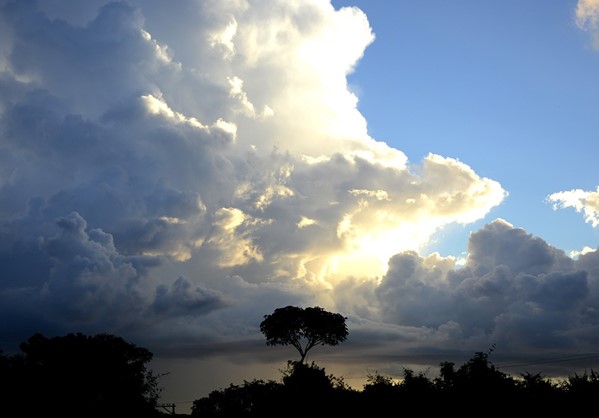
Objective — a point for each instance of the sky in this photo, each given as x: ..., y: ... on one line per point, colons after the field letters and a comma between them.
x: 171, y: 172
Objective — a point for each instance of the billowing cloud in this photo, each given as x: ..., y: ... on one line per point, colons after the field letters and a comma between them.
x: 510, y: 281
x: 584, y: 202
x: 514, y: 291
x: 203, y: 156
x: 174, y: 173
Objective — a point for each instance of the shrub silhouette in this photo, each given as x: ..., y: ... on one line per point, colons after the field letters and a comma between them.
x: 379, y: 393
x: 581, y: 387
x: 304, y: 390
x: 478, y: 376
x: 476, y: 388
x: 253, y: 398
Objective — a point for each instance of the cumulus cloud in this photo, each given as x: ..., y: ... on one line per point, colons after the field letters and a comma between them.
x: 175, y: 173
x: 204, y: 155
x: 584, y: 202
x: 515, y: 291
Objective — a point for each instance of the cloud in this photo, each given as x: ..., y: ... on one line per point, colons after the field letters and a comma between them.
x: 515, y: 291
x: 206, y: 149
x: 582, y: 201
x: 174, y: 173
x: 587, y: 18
x: 587, y: 13
x: 182, y: 298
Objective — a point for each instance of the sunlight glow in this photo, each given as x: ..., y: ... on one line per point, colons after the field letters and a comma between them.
x: 235, y: 243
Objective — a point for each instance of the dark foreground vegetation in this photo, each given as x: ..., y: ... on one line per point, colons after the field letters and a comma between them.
x: 476, y: 388
x: 104, y: 376
x: 78, y: 376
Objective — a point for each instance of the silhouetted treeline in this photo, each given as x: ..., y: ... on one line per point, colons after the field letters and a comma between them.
x: 477, y: 388
x: 104, y: 376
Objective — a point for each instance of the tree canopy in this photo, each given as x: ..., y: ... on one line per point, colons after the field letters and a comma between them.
x: 79, y: 375
x: 303, y: 328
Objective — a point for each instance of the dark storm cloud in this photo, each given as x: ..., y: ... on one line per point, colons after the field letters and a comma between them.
x: 515, y: 290
x: 85, y: 282
x: 183, y: 298
x: 87, y: 168
x: 105, y: 57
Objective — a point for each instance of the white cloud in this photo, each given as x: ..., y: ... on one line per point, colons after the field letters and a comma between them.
x: 583, y: 201
x: 575, y: 254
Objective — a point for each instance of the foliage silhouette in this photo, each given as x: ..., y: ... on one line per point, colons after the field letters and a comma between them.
x: 99, y: 376
x: 476, y: 388
x: 78, y: 375
x: 581, y: 387
x: 379, y: 393
x: 303, y: 328
x: 304, y: 390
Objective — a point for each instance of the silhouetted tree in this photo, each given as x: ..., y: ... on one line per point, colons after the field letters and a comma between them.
x: 447, y: 377
x: 313, y: 392
x: 303, y: 328
x: 416, y: 387
x: 478, y: 382
x: 480, y: 375
x: 79, y: 375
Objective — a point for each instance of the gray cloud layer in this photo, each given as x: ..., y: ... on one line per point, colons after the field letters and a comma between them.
x: 172, y: 174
